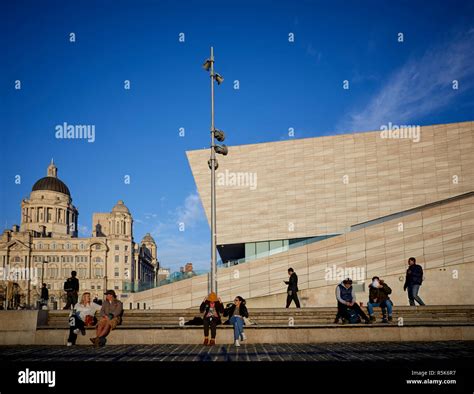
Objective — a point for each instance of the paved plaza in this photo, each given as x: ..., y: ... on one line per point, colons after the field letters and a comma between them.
x: 322, y: 353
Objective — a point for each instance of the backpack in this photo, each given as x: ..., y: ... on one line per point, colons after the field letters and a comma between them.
x: 352, y: 316
x: 67, y: 285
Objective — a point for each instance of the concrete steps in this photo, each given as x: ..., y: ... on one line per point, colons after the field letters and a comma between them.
x: 279, y: 316
x: 311, y: 325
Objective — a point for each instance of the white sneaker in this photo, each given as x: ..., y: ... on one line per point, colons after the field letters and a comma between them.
x: 237, y: 343
x: 76, y: 331
x: 244, y: 337
x: 69, y: 344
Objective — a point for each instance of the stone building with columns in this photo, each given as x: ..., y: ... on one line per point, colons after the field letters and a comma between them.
x: 46, y: 246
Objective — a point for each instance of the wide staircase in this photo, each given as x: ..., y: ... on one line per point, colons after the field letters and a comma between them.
x: 309, y: 325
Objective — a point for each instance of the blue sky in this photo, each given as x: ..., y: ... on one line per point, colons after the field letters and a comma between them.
x: 282, y: 84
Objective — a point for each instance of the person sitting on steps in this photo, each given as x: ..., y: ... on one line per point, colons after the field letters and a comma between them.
x: 379, y: 293
x: 346, y: 299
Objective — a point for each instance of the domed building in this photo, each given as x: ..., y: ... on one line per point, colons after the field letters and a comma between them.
x: 48, y: 238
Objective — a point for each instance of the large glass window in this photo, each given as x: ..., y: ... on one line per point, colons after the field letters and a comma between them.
x: 250, y: 250
x: 262, y: 248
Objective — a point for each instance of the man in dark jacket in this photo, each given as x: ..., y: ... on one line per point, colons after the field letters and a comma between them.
x: 44, y: 295
x: 379, y: 293
x: 292, y: 288
x: 72, y: 288
x: 413, y: 281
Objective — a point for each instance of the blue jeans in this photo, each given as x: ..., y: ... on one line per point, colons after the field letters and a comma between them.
x: 238, y: 324
x: 385, y: 304
x: 413, y: 295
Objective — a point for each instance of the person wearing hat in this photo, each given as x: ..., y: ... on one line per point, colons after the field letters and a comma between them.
x: 212, y: 308
x: 110, y: 317
x: 346, y: 299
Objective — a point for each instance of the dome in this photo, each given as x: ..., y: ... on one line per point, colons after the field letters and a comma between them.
x: 120, y: 207
x: 148, y: 238
x: 52, y: 184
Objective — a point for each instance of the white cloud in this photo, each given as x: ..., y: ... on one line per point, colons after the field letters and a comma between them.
x: 84, y: 231
x: 192, y: 212
x: 420, y: 87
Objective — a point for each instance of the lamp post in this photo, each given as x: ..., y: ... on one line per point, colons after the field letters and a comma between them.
x: 213, y: 165
x: 44, y: 261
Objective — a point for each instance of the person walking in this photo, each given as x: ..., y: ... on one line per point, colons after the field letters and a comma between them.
x: 212, y: 308
x: 292, y: 288
x: 413, y: 281
x: 71, y: 286
x: 236, y: 312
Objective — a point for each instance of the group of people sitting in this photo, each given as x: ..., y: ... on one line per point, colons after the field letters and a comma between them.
x: 213, y: 308
x: 348, y: 310
x: 84, y: 313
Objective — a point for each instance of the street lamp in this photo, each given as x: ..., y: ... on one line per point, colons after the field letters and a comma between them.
x: 213, y: 164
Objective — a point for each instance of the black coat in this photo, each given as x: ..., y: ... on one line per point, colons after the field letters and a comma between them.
x: 44, y: 293
x: 293, y: 282
x: 414, y: 275
x: 230, y: 310
x: 217, y: 305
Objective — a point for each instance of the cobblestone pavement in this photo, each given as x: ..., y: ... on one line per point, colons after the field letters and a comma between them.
x: 327, y: 352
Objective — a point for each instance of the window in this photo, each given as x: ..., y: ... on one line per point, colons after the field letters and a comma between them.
x: 98, y: 287
x: 116, y: 287
x: 97, y: 260
x: 117, y: 258
x: 40, y: 246
x: 53, y: 271
x: 82, y: 246
x: 82, y: 271
x: 68, y: 246
x: 126, y: 259
x: 117, y: 247
x: 97, y: 247
x: 66, y: 271
x: 116, y: 272
x: 126, y: 248
x: 53, y: 246
x: 98, y: 272
x: 92, y: 287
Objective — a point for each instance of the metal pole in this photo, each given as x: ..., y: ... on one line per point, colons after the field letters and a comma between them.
x: 213, y: 185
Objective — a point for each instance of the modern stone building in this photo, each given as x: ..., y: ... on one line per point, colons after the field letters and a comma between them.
x: 48, y: 239
x: 354, y: 205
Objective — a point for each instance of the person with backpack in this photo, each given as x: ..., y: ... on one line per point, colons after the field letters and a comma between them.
x: 379, y: 293
x: 347, y: 308
x: 292, y: 290
x: 212, y: 308
x: 413, y: 281
x: 71, y: 287
x: 236, y: 312
x: 82, y: 316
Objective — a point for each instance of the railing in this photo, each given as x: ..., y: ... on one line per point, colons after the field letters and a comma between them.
x: 133, y: 287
